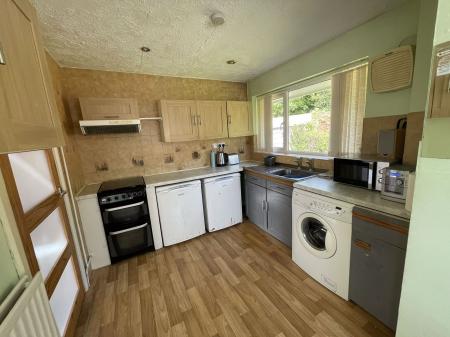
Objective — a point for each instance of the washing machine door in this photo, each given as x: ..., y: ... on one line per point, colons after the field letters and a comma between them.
x: 316, y: 235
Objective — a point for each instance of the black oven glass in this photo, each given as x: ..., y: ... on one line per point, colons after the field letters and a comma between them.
x: 130, y: 241
x: 116, y: 218
x: 355, y: 172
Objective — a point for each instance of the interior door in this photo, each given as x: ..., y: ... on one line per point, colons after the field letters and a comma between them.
x: 212, y: 119
x: 37, y: 200
x: 239, y: 119
x: 179, y: 120
x: 28, y: 108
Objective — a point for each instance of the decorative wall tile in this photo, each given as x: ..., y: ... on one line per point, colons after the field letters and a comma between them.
x: 118, y: 150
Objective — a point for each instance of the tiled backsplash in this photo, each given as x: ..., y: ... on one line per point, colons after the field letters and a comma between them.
x: 114, y: 156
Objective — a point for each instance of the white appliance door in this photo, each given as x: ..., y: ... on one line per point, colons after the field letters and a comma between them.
x: 223, y: 201
x: 180, y: 212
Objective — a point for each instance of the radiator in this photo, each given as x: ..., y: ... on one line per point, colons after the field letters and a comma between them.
x: 30, y: 315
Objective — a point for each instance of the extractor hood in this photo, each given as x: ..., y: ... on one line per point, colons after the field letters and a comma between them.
x: 101, y: 126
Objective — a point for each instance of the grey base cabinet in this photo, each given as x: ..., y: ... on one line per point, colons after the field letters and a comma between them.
x: 256, y: 203
x: 269, y: 206
x: 279, y: 216
x: 377, y: 263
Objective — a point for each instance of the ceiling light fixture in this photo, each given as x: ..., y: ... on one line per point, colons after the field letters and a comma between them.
x: 145, y: 49
x: 231, y: 62
x: 217, y: 19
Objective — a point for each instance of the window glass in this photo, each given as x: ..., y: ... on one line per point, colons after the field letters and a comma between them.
x: 33, y: 177
x: 309, y: 113
x: 277, y: 121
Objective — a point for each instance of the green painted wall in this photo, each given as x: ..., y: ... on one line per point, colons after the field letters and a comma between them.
x: 8, y: 273
x: 424, y: 305
x: 370, y: 39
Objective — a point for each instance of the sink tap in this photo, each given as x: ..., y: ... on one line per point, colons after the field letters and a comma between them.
x: 299, y: 162
x: 309, y: 164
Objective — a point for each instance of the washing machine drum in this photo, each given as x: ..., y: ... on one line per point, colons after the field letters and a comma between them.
x: 316, y: 235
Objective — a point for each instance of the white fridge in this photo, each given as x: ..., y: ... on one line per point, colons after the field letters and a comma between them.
x: 222, y: 201
x: 180, y: 212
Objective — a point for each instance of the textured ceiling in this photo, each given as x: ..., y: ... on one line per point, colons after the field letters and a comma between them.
x: 259, y: 34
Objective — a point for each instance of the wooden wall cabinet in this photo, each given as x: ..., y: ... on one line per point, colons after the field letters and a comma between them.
x: 94, y: 108
x: 179, y: 120
x: 212, y: 119
x: 239, y: 119
x: 186, y: 120
x: 28, y: 111
x: 440, y: 89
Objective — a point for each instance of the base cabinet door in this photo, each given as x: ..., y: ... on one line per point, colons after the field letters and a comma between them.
x: 279, y: 216
x: 256, y: 205
x: 29, y: 118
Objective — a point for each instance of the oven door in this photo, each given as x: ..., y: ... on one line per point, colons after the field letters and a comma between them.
x: 354, y: 172
x: 122, y: 215
x: 129, y: 241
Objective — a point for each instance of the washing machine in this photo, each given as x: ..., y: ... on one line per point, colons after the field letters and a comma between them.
x: 321, y: 239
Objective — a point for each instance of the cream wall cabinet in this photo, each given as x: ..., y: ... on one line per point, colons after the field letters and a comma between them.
x: 239, y: 119
x: 199, y: 120
x: 28, y: 111
x: 212, y: 119
x: 179, y: 121
x: 94, y: 108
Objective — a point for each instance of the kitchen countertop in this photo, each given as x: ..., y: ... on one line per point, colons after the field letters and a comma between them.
x: 353, y: 195
x: 90, y: 191
x: 205, y: 172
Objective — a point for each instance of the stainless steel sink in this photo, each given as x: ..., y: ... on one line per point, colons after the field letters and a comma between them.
x: 295, y: 174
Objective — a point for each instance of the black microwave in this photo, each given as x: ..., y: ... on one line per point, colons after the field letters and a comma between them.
x: 360, y: 172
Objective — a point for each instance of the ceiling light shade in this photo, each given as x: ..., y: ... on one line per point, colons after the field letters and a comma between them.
x: 217, y: 19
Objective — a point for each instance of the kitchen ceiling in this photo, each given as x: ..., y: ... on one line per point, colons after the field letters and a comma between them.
x: 258, y: 34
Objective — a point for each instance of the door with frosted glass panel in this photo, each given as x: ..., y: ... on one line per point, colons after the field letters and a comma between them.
x: 37, y: 200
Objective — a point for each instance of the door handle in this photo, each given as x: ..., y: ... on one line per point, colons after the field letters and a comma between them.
x: 229, y: 119
x: 128, y: 229
x: 193, y: 120
x: 123, y: 207
x: 61, y: 192
x: 367, y: 247
x: 2, y: 57
x: 199, y: 120
x: 264, y: 205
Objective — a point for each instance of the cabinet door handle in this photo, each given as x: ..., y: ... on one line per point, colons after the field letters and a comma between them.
x: 229, y: 119
x: 367, y: 247
x: 267, y: 206
x: 193, y: 120
x: 264, y: 205
x: 199, y: 120
x: 2, y: 57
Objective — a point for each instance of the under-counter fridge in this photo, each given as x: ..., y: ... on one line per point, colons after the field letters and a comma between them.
x: 180, y: 212
x: 222, y: 201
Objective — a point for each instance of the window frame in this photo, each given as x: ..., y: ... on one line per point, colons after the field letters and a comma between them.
x: 303, y: 83
x: 285, y: 93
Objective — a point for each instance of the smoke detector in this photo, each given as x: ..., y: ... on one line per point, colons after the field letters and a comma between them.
x: 217, y: 19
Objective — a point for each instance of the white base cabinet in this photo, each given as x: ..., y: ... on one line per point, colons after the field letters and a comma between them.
x: 94, y: 232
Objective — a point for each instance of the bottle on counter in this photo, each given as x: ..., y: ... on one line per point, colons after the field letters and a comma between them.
x: 213, y: 155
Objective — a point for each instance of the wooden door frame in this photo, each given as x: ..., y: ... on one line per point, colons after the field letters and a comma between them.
x: 28, y: 221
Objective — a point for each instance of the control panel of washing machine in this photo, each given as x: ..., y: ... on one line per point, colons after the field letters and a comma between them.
x: 326, y: 208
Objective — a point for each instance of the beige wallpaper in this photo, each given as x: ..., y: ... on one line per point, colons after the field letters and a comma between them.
x: 104, y: 157
x: 70, y: 149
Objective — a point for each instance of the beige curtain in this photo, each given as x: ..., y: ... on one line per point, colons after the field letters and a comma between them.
x: 263, y: 123
x: 347, y: 110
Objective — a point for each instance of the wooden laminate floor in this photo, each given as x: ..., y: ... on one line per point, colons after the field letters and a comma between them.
x: 235, y: 282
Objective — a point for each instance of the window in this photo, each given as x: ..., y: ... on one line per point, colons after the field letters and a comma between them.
x: 310, y: 118
x: 322, y: 116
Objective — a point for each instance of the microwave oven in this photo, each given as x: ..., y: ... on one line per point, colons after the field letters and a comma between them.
x: 366, y: 173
